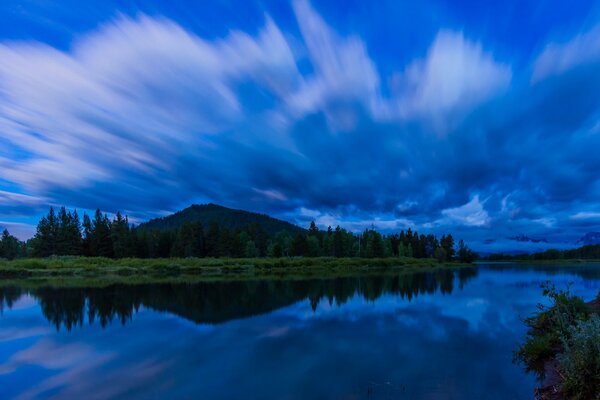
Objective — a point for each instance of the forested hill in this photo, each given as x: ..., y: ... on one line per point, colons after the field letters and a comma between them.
x: 226, y: 217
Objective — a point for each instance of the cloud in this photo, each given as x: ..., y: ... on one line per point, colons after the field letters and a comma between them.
x: 557, y: 58
x: 471, y: 214
x: 343, y: 72
x: 128, y: 100
x: 586, y: 215
x: 455, y: 74
x: 303, y: 122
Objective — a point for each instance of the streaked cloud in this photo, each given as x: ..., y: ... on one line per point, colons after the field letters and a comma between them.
x: 303, y: 116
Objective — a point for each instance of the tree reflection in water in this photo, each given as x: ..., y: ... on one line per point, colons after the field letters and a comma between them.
x: 217, y: 302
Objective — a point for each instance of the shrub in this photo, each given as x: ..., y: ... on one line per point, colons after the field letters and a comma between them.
x: 550, y: 327
x: 579, y: 363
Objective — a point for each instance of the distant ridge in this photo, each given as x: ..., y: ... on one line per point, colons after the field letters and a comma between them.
x: 524, y: 238
x: 228, y: 217
x: 589, y: 238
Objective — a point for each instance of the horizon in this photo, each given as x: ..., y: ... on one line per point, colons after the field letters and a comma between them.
x: 479, y: 120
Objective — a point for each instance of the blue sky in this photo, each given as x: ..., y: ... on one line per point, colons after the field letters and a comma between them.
x: 480, y: 119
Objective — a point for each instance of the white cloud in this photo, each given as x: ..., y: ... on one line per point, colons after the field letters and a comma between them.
x: 12, y: 199
x: 143, y: 108
x: 307, y: 212
x: 270, y: 194
x: 470, y: 214
x: 561, y: 57
x: 131, y: 96
x: 343, y: 71
x: 585, y: 215
x: 455, y: 74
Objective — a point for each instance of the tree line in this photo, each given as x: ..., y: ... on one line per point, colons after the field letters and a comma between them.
x: 64, y: 233
x: 588, y: 252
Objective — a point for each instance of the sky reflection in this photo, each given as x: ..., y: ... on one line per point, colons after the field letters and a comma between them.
x: 453, y: 345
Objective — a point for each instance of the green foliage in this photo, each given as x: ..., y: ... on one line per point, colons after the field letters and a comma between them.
x: 10, y: 246
x: 579, y: 362
x: 566, y: 331
x: 313, y: 247
x: 440, y: 254
x: 465, y: 255
x: 447, y: 243
x: 250, y: 250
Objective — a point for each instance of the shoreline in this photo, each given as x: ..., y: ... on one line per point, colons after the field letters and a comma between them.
x: 82, y: 271
x: 550, y: 388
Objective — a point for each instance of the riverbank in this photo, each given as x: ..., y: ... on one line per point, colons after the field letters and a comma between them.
x: 563, y: 347
x: 97, y: 271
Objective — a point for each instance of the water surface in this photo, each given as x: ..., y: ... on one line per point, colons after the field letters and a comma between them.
x: 445, y: 334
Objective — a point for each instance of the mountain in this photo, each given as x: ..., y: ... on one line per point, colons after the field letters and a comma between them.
x: 231, y: 218
x: 524, y: 238
x: 589, y: 238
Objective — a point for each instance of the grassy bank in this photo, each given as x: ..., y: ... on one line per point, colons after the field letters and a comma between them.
x: 563, y: 347
x: 77, y: 271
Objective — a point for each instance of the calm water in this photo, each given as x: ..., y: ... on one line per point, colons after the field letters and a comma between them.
x: 436, y: 335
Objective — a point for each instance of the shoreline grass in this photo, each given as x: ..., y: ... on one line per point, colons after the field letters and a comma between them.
x: 80, y: 271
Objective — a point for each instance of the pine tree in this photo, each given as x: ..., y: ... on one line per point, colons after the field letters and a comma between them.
x: 212, y: 240
x: 250, y: 249
x: 465, y: 254
x: 299, y: 245
x: 101, y: 244
x: 447, y: 242
x: 376, y: 244
x: 119, y: 233
x: 45, y: 239
x: 10, y: 247
x: 86, y: 246
x: 338, y: 242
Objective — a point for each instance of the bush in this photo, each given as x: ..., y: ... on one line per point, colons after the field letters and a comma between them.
x: 579, y: 363
x: 550, y: 327
x: 566, y: 332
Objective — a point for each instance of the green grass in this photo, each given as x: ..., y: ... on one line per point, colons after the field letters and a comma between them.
x: 82, y: 271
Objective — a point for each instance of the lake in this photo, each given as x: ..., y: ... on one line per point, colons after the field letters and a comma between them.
x: 445, y: 334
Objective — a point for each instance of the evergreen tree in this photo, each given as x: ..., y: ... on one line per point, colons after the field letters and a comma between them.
x: 376, y: 245
x: 86, y: 246
x: 282, y: 244
x: 250, y: 249
x: 465, y: 254
x: 68, y: 240
x: 120, y: 237
x: 299, y: 245
x: 313, y: 247
x: 10, y: 247
x: 45, y: 239
x: 447, y: 242
x: 409, y: 250
x: 440, y: 254
x: 314, y: 232
x: 401, y: 250
x: 338, y: 242
x: 101, y: 244
x: 212, y: 240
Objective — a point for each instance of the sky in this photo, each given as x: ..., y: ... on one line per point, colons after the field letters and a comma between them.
x: 477, y: 118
